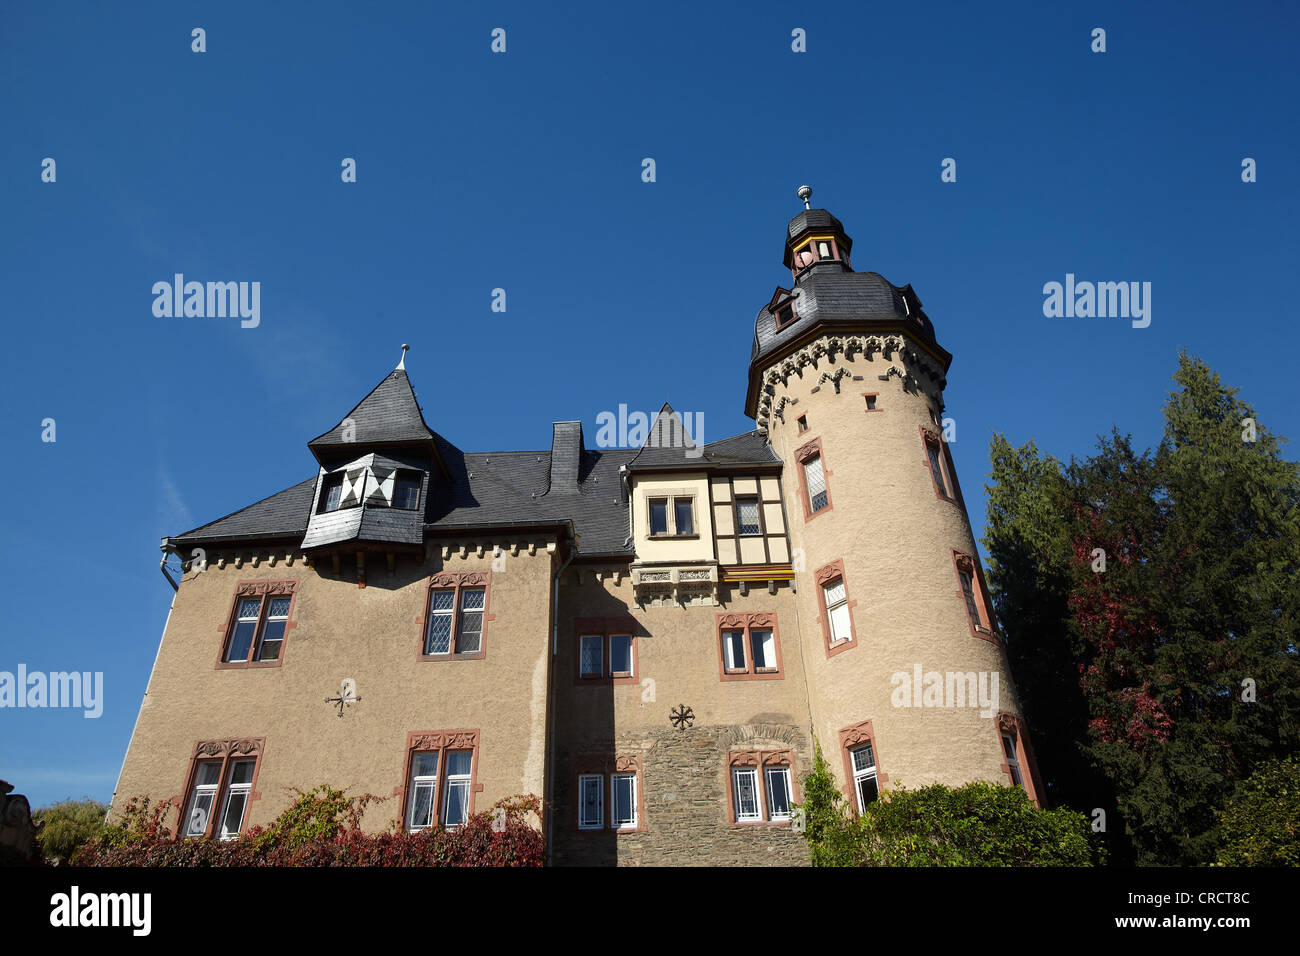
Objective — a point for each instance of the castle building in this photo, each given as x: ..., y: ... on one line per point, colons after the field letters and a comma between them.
x: 649, y: 638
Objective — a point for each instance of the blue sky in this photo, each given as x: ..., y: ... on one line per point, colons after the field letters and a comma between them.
x: 522, y: 171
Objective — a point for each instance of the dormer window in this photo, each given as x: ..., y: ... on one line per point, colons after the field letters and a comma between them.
x: 406, y: 491
x: 784, y: 316
x: 331, y: 493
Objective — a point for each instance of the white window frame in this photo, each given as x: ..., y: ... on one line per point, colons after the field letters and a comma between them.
x: 1011, y: 751
x: 729, y: 647
x: 752, y: 773
x: 209, y: 790
x: 599, y: 823
x: 232, y: 788
x: 462, y: 781
x: 768, y: 773
x: 832, y: 608
x: 769, y: 650
x: 860, y: 774
x: 460, y: 620
x: 427, y: 782
x: 613, y: 797
x: 450, y: 614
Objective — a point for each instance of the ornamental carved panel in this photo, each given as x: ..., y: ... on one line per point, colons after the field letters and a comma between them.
x: 806, y: 450
x: 857, y: 734
x: 627, y: 763
x: 776, y: 758
x: 829, y: 572
x: 465, y: 579
x: 964, y: 563
x: 454, y: 740
x: 743, y: 758
x: 235, y: 747
x: 759, y: 619
x: 1008, y: 724
x: 258, y: 588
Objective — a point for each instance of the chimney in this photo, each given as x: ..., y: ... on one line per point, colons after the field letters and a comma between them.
x: 566, y: 457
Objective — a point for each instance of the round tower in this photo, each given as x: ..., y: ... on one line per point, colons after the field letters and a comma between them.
x: 908, y: 680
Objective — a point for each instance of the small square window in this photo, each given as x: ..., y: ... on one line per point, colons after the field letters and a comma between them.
x: 784, y: 316
x: 803, y: 423
x: 871, y: 403
x: 747, y: 516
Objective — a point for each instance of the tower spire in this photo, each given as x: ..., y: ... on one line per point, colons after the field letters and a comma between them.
x: 805, y: 193
x: 402, y: 363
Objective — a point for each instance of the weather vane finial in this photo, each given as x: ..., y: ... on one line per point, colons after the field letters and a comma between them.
x: 805, y: 192
x: 402, y: 363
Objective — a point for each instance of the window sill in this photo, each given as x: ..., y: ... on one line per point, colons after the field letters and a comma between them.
x: 476, y: 656
x: 674, y: 537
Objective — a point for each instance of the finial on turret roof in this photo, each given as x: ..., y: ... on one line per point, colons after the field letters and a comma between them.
x: 805, y: 193
x: 402, y: 363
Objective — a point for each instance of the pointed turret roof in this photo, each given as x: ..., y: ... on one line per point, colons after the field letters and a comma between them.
x: 390, y: 414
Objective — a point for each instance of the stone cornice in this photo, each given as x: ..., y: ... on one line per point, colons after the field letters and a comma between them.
x: 916, y: 366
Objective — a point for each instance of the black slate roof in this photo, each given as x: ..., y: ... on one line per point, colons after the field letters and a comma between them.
x: 501, y: 489
x: 389, y: 413
x: 841, y: 298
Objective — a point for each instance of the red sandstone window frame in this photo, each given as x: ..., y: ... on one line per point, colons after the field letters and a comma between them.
x: 1015, y: 727
x: 828, y: 574
x: 748, y: 623
x: 607, y: 770
x: 983, y: 628
x: 441, y: 742
x: 226, y: 752
x: 265, y: 591
x: 760, y: 760
x: 605, y: 628
x: 869, y: 399
x: 951, y: 492
x: 802, y: 455
x: 456, y: 582
x: 851, y: 738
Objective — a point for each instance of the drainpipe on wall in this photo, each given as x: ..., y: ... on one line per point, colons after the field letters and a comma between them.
x: 550, y: 705
x: 167, y: 549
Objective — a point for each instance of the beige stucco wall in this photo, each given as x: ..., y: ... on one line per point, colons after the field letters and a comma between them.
x: 896, y: 539
x: 652, y: 551
x: 370, y: 634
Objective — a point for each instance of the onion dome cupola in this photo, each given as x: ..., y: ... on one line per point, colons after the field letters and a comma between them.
x: 377, y: 468
x: 827, y: 297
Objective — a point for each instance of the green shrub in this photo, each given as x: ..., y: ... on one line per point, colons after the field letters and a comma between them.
x: 1260, y: 823
x: 66, y: 825
x: 979, y: 824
